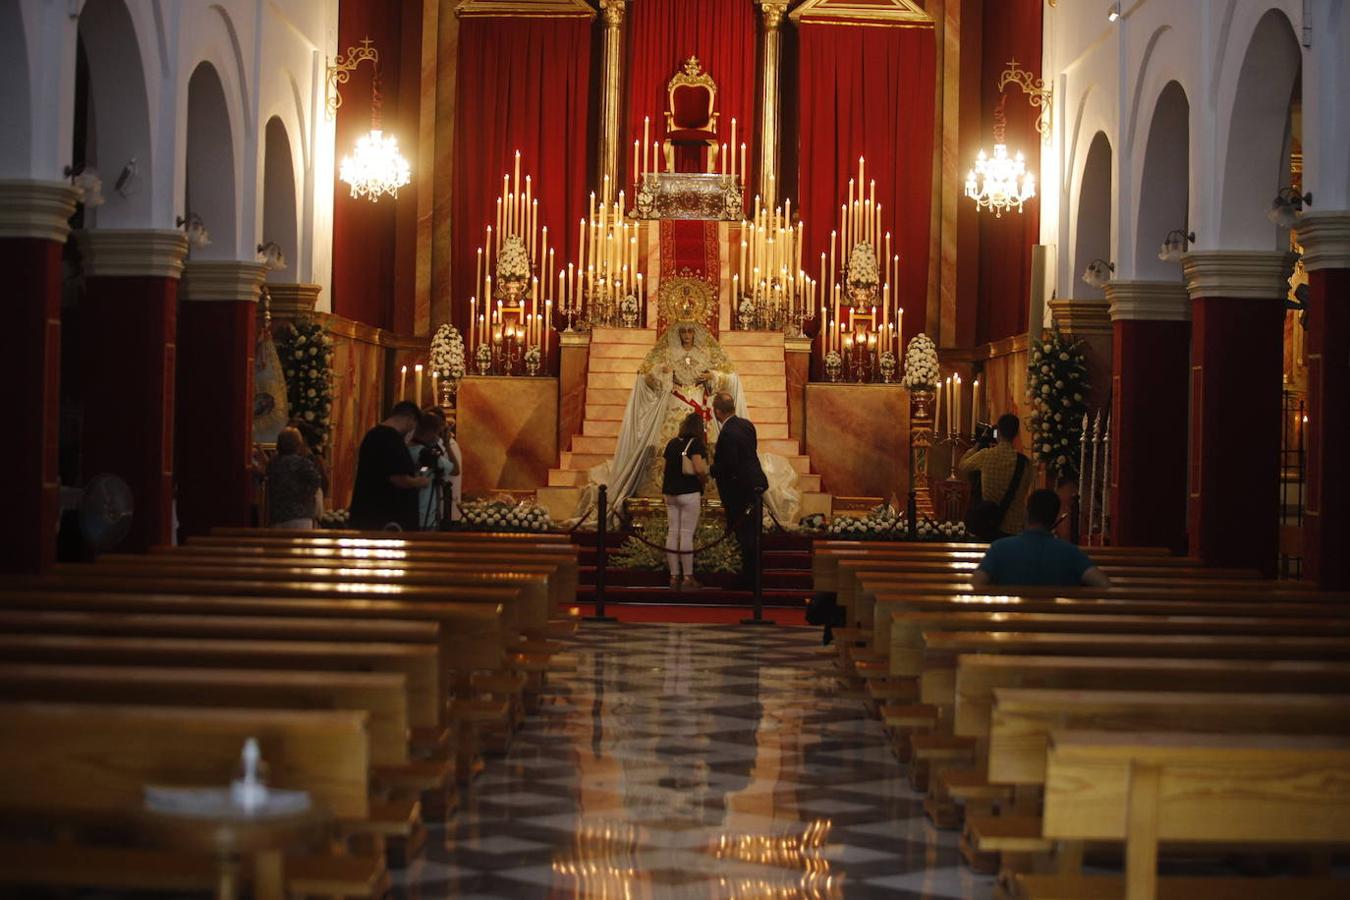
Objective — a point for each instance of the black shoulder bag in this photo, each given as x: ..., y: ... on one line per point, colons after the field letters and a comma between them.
x: 985, y: 516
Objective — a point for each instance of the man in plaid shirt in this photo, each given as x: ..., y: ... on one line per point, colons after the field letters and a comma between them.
x: 996, y: 466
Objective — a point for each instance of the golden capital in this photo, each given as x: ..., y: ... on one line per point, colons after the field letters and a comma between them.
x: 613, y: 11
x: 773, y: 11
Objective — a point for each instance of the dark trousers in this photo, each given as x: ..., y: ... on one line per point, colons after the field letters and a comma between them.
x: 741, y: 518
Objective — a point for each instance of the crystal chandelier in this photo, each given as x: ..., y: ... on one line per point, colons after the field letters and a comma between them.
x: 376, y: 167
x: 1000, y: 183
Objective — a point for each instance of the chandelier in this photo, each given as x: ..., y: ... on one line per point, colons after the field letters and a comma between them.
x: 376, y: 167
x: 1000, y: 182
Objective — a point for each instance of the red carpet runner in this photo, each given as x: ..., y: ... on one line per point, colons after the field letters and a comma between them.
x: 689, y: 249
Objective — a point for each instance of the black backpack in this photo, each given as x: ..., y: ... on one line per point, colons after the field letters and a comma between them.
x: 985, y: 516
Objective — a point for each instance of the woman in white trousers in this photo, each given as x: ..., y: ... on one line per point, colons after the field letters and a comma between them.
x: 686, y: 471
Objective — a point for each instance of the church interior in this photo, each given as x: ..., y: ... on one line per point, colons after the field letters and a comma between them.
x: 519, y: 448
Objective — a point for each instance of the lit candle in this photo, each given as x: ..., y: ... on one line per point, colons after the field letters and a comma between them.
x: 473, y: 320
x: 637, y: 173
x: 741, y: 170
x: 435, y: 401
x: 417, y: 369
x: 646, y: 139
x: 548, y: 323
x: 937, y: 408
x: 722, y: 159
x: 515, y: 178
x: 733, y: 149
x: 403, y: 383
x: 974, y: 405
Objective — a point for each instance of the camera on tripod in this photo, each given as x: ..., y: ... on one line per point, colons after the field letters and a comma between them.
x: 428, y: 456
x: 985, y: 435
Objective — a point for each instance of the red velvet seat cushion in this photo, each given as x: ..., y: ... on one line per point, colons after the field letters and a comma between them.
x: 690, y: 135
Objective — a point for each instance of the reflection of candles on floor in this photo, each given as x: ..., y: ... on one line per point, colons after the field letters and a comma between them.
x: 417, y: 379
x: 403, y: 383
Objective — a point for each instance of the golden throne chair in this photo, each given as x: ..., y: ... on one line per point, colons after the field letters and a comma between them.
x: 691, y: 113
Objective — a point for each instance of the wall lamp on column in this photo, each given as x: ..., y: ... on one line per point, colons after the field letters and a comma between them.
x: 1287, y: 206
x: 1174, y: 246
x: 88, y: 186
x: 272, y: 256
x: 1113, y: 11
x: 195, y: 228
x: 1098, y: 273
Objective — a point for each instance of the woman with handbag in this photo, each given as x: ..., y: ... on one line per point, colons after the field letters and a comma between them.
x: 686, y: 471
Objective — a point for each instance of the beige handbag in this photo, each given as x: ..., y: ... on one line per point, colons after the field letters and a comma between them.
x: 687, y: 464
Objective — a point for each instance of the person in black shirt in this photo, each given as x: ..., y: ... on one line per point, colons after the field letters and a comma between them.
x: 387, y: 479
x: 739, y: 475
x: 683, y: 493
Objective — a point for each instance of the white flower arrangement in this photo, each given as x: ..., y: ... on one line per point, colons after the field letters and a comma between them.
x: 885, y: 523
x: 533, y: 355
x: 833, y: 360
x: 447, y: 353
x: 335, y: 518
x: 921, y: 364
x: 483, y: 355
x: 862, y: 266
x: 500, y: 515
x: 1056, y: 386
x: 306, y: 353
x: 514, y: 261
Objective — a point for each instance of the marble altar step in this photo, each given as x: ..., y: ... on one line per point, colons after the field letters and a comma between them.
x: 606, y: 444
x: 623, y: 381
x: 610, y: 428
x: 729, y: 339
x: 627, y: 366
x: 807, y: 482
x: 644, y: 337
x: 773, y: 404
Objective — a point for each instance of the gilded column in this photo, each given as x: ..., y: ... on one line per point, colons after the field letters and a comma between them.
x: 773, y: 11
x: 613, y: 11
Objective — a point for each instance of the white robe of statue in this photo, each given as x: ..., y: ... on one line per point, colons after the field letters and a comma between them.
x: 681, y: 374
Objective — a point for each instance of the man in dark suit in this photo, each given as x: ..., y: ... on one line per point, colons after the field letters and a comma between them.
x: 737, y: 471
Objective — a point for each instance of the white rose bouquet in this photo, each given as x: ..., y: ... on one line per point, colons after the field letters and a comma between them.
x: 1057, y: 387
x: 306, y: 353
x: 447, y: 353
x: 500, y: 515
x: 921, y: 364
x: 514, y: 262
x: 862, y: 266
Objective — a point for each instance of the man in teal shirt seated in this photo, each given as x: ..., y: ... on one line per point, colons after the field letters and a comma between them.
x: 1036, y: 557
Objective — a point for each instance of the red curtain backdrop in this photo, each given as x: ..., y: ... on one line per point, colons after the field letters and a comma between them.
x: 867, y: 91
x: 374, y: 247
x: 1012, y: 30
x: 524, y: 84
x: 662, y: 34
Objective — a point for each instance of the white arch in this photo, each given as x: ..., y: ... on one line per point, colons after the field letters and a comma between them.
x: 1093, y: 116
x: 280, y: 201
x: 1253, y: 134
x: 16, y: 111
x: 120, y: 111
x: 1092, y: 238
x: 209, y: 169
x: 1164, y: 185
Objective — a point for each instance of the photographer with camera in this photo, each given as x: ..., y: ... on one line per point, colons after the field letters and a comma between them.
x: 428, y: 454
x: 387, y: 481
x: 998, y: 509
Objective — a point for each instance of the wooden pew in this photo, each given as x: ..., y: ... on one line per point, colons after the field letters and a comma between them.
x: 1147, y: 788
x: 77, y: 767
x: 417, y: 663
x: 559, y: 563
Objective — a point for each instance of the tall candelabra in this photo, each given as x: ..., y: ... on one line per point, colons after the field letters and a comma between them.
x: 771, y: 290
x: 604, y: 288
x: 513, y: 280
x: 861, y: 320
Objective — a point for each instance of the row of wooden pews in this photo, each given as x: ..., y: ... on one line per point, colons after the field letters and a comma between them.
x: 373, y: 670
x: 1206, y: 710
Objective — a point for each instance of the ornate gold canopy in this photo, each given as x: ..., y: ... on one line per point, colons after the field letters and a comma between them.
x: 686, y: 299
x: 894, y: 13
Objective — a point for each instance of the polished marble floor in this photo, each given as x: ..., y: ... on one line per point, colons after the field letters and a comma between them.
x: 694, y: 761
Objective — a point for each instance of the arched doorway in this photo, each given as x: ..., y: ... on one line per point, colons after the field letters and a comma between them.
x: 1093, y: 224
x: 210, y: 192
x: 1164, y: 191
x: 279, y: 198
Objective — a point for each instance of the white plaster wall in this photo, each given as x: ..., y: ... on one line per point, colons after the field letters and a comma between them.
x: 1108, y: 77
x: 270, y: 56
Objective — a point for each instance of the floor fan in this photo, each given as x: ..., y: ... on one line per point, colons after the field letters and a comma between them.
x: 104, y: 509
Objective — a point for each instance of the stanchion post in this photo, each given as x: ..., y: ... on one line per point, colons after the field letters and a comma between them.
x: 601, y: 555
x: 912, y: 515
x: 756, y: 554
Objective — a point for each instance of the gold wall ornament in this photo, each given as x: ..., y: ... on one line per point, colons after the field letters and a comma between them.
x: 1038, y: 95
x: 340, y: 72
x: 845, y: 12
x: 533, y: 9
